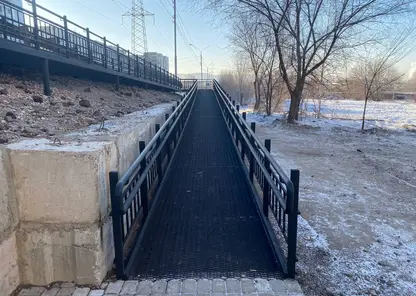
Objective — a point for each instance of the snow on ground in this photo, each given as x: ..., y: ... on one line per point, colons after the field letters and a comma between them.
x: 357, y: 230
x: 394, y: 115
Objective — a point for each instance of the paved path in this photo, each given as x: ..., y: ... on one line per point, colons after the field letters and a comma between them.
x: 189, y: 287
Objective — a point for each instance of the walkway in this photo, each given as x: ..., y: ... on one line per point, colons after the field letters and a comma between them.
x: 204, y: 223
x: 189, y: 287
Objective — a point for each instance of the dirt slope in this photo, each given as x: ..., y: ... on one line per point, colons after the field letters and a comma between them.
x: 74, y: 103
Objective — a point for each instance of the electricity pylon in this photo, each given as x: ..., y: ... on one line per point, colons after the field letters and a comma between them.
x: 138, y: 27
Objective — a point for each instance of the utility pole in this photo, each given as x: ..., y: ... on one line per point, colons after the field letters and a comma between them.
x: 200, y: 54
x: 201, y: 66
x: 174, y: 34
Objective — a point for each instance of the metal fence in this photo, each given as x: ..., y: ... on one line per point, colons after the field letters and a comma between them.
x: 279, y: 193
x: 131, y: 195
x: 54, y: 35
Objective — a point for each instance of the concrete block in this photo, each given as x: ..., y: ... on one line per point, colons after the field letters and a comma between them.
x: 159, y: 287
x: 8, y: 202
x: 233, y: 286
x: 189, y: 286
x: 262, y: 286
x: 247, y: 286
x: 9, y: 271
x: 144, y: 288
x: 60, y: 184
x: 114, y: 288
x: 218, y: 286
x: 204, y: 286
x: 49, y: 253
x: 174, y: 286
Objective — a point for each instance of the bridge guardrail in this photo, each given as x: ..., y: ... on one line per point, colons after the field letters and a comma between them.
x: 279, y: 193
x: 30, y: 29
x: 130, y: 194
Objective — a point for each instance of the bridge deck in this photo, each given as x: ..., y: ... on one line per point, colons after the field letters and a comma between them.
x: 205, y: 222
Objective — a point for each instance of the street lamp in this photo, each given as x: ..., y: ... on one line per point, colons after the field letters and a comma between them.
x: 200, y: 54
x: 208, y: 67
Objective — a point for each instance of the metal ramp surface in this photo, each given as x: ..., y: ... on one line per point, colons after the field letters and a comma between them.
x: 204, y: 222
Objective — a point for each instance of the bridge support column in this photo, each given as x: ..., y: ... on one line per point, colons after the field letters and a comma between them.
x: 117, y: 83
x: 45, y: 74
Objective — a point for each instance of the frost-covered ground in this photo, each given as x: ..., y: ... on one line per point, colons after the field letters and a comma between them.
x: 357, y: 230
x: 394, y: 115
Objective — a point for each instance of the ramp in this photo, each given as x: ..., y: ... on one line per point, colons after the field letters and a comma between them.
x: 204, y: 222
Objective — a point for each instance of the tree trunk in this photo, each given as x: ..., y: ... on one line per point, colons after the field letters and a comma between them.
x: 256, y: 94
x: 365, y: 108
x: 295, y: 99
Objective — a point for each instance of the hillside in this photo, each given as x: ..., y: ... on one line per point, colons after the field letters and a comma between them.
x: 74, y: 103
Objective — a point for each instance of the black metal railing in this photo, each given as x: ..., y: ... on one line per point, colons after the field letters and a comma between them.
x: 187, y: 84
x: 133, y: 193
x: 56, y: 34
x: 279, y: 194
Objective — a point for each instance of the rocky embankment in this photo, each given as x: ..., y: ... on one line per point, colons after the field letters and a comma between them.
x: 26, y: 112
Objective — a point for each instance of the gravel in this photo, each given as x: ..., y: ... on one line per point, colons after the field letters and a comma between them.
x: 26, y: 112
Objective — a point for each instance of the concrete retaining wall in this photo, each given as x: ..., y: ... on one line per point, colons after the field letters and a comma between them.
x: 60, y: 192
x: 9, y: 272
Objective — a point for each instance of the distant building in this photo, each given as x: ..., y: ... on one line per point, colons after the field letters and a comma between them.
x: 157, y: 59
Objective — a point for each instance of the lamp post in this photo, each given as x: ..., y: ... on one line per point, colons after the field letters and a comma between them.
x: 200, y: 55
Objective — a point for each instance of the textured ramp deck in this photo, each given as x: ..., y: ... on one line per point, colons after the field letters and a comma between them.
x: 205, y: 222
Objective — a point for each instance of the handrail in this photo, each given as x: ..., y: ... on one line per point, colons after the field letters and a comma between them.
x: 133, y: 168
x: 289, y: 203
x: 131, y: 195
x: 280, y: 194
x: 61, y: 40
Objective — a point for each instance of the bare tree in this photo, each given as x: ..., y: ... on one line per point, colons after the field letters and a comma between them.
x: 242, y: 77
x: 246, y: 35
x: 307, y: 33
x: 375, y: 72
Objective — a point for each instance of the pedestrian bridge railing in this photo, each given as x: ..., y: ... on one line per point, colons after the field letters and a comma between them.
x: 131, y: 193
x: 45, y: 30
x: 278, y: 193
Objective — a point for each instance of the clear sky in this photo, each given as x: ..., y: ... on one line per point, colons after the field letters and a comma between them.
x: 104, y: 17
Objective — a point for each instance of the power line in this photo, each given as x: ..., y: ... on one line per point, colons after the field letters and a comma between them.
x: 90, y: 9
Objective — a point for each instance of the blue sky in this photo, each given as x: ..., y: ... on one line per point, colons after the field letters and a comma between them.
x: 104, y: 17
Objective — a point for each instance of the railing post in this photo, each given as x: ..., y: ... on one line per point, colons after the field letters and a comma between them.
x: 143, y: 188
x: 105, y: 53
x: 242, y: 142
x: 128, y: 61
x: 292, y: 230
x: 35, y: 24
x: 238, y: 108
x: 251, y: 172
x: 144, y: 69
x: 167, y: 140
x: 89, y: 46
x: 159, y: 158
x: 266, y: 185
x: 175, y: 131
x: 244, y: 115
x: 68, y: 53
x: 118, y: 58
x: 117, y: 217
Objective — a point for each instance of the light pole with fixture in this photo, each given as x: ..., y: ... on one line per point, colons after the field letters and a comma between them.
x: 200, y: 55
